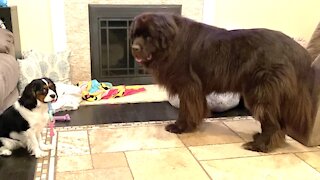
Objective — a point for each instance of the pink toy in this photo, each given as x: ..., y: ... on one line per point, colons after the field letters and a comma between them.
x: 62, y: 118
x: 51, y: 126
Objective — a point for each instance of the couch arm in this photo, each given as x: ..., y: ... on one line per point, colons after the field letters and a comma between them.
x: 9, y: 75
x: 6, y: 42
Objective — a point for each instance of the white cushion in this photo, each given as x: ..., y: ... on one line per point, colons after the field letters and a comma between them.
x: 37, y: 65
x: 29, y: 70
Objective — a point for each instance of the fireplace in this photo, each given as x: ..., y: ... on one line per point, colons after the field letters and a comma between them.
x: 111, y: 58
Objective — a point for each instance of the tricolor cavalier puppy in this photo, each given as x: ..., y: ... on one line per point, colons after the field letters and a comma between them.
x: 22, y: 123
x: 270, y: 70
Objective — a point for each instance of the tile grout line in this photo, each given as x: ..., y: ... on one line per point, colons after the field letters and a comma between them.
x: 253, y: 156
x: 194, y: 158
x: 146, y: 124
x: 135, y: 124
x: 243, y: 139
x: 261, y: 153
x: 109, y: 126
x: 40, y: 161
x: 125, y: 155
x: 53, y: 152
x: 295, y: 154
x: 89, y: 145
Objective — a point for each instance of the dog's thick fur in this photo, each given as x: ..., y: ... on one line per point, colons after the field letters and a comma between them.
x: 271, y: 71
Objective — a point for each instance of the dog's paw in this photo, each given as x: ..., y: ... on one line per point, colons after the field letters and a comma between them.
x: 173, y: 128
x: 5, y: 152
x: 258, y: 147
x: 40, y: 154
x: 46, y: 147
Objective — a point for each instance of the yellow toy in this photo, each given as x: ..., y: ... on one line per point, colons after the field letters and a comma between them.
x: 93, y: 90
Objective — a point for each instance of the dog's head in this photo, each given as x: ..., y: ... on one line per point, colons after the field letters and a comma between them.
x: 151, y: 36
x: 39, y: 90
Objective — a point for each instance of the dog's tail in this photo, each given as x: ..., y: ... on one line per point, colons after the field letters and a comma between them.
x: 7, y: 145
x: 313, y: 48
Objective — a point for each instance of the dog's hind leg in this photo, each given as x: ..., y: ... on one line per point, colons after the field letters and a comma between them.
x: 264, y: 104
x: 7, y: 145
x: 271, y: 136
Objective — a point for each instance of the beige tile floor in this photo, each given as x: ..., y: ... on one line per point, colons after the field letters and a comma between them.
x: 147, y: 151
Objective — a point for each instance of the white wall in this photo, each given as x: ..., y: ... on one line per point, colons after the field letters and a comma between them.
x: 34, y: 24
x: 42, y: 25
x: 58, y: 26
x: 296, y: 18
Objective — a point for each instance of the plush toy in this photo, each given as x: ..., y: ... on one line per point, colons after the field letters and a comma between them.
x: 2, y: 25
x: 93, y: 90
x: 3, y: 3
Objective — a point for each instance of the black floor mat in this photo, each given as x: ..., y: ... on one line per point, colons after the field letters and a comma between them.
x: 20, y: 165
x: 140, y: 112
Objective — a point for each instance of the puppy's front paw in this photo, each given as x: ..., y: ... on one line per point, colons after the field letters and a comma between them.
x: 40, y: 154
x: 46, y: 147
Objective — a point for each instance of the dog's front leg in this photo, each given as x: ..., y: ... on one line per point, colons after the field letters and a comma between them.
x: 42, y: 145
x: 33, y: 144
x: 193, y: 108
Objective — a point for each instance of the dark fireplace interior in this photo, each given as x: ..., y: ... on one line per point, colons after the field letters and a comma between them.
x: 111, y: 59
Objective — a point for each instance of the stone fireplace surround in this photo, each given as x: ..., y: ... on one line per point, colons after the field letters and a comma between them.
x: 76, y: 20
x: 110, y: 53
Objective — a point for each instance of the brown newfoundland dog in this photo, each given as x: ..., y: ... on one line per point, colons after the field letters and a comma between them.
x: 270, y: 70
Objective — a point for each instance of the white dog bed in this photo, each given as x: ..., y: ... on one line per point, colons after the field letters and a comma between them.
x: 216, y: 102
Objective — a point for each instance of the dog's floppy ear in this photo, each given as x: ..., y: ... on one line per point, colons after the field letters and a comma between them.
x: 167, y: 28
x: 50, y: 81
x: 28, y: 98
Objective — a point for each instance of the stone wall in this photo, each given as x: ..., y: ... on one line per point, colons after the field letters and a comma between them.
x: 77, y: 28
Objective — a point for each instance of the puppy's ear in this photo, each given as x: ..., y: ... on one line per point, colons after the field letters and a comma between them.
x: 48, y: 80
x: 51, y: 83
x: 28, y: 98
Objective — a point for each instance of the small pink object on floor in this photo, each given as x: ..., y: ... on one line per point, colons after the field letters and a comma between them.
x: 62, y: 118
x: 51, y: 126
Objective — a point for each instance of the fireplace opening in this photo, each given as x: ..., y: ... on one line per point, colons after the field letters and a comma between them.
x: 111, y: 58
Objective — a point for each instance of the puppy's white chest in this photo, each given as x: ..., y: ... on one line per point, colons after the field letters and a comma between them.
x: 37, y: 117
x: 40, y: 117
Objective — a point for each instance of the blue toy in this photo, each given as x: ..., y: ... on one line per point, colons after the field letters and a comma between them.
x: 3, y: 3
